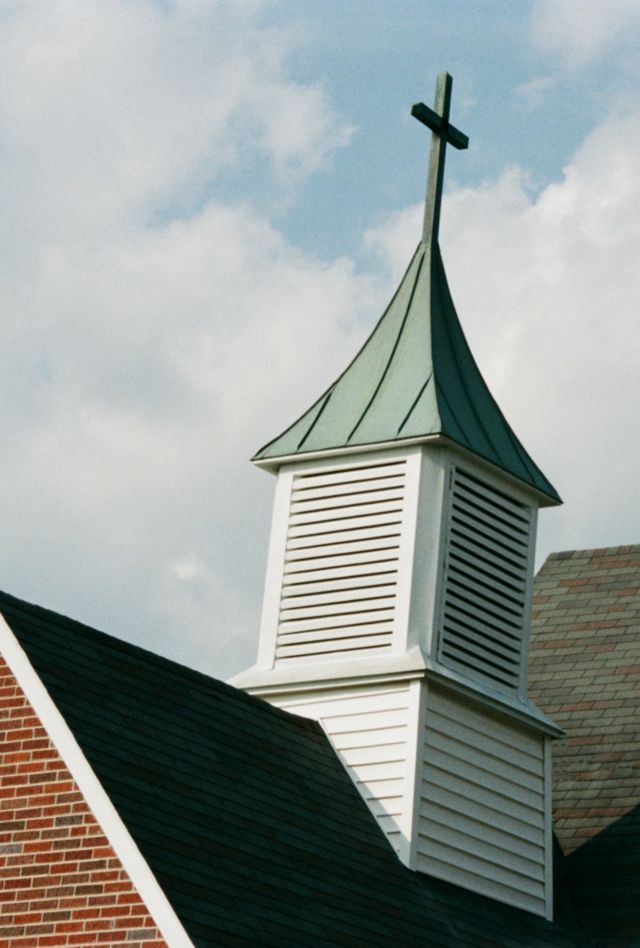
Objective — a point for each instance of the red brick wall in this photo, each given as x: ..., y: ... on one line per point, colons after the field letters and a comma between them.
x: 60, y: 881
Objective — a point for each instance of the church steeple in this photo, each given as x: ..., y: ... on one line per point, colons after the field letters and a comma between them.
x: 415, y: 379
x: 398, y: 590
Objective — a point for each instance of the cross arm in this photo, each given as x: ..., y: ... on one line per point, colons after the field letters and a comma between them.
x: 436, y: 123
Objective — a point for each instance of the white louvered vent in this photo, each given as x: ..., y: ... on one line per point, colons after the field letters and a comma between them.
x: 341, y: 563
x: 485, y: 582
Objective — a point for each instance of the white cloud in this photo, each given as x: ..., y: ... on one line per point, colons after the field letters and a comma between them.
x: 578, y: 32
x: 548, y: 291
x: 533, y: 93
x: 140, y: 311
x: 155, y: 335
x: 110, y: 109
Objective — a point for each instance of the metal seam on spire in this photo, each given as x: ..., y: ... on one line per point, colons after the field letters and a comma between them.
x: 313, y: 423
x: 391, y: 354
x: 415, y: 402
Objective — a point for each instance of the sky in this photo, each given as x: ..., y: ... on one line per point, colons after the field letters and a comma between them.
x: 206, y: 206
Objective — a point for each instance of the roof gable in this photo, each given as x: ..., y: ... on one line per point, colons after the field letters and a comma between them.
x: 66, y: 862
x: 243, y: 812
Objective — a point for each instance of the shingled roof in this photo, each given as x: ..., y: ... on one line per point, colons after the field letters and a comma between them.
x: 243, y: 812
x: 584, y: 672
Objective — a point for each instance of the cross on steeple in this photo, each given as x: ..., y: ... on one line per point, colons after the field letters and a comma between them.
x: 437, y: 119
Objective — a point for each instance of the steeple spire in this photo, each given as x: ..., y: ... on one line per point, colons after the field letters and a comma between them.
x: 398, y: 589
x: 415, y: 378
x: 437, y: 119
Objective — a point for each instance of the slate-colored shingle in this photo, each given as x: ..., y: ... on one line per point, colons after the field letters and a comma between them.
x: 244, y: 813
x: 585, y: 673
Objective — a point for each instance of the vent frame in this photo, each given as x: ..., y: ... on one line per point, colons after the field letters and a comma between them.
x: 387, y: 515
x: 500, y: 662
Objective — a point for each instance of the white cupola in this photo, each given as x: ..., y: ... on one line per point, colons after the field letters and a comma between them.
x: 398, y: 588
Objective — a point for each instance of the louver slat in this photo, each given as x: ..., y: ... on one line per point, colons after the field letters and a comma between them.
x: 485, y: 582
x: 325, y: 523
x: 481, y: 623
x: 305, y: 505
x: 367, y: 605
x: 495, y: 544
x: 462, y: 559
x: 494, y: 646
x: 341, y: 562
x: 470, y: 485
x: 300, y: 540
x: 466, y: 589
x: 486, y: 532
x: 342, y: 548
x: 350, y: 488
x: 341, y: 594
x: 382, y: 566
x: 351, y: 475
x: 483, y: 559
x: 335, y: 586
x: 355, y: 564
x: 355, y: 621
x: 313, y: 636
x: 344, y: 518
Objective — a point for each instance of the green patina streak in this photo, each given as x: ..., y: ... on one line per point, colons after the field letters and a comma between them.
x: 415, y: 376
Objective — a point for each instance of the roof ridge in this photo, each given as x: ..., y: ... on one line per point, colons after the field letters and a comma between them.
x: 593, y: 551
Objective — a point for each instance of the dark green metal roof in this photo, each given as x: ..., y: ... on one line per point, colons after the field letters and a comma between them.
x: 244, y: 813
x: 414, y: 377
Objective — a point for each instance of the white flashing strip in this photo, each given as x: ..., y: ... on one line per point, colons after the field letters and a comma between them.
x: 330, y: 672
x: 413, y: 664
x: 272, y: 464
x: 137, y: 868
x: 265, y: 684
x: 526, y: 712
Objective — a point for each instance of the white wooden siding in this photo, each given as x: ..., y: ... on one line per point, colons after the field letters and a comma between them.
x: 487, y: 575
x: 481, y: 818
x: 368, y: 727
x: 339, y: 591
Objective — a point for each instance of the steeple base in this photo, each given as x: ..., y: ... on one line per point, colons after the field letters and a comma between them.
x: 458, y: 786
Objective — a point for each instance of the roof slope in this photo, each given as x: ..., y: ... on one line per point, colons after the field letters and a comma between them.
x: 243, y: 812
x: 584, y: 671
x: 415, y: 377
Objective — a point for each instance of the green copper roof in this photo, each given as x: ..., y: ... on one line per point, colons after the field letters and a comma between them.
x: 415, y: 376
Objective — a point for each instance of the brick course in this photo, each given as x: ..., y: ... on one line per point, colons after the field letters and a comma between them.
x: 61, y: 883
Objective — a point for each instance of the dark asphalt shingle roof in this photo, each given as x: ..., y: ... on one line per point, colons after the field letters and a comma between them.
x: 584, y: 671
x: 244, y: 813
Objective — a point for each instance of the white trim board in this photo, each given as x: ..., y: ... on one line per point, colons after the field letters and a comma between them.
x: 272, y: 464
x: 121, y: 841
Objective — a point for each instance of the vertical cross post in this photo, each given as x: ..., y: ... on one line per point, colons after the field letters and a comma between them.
x: 443, y: 133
